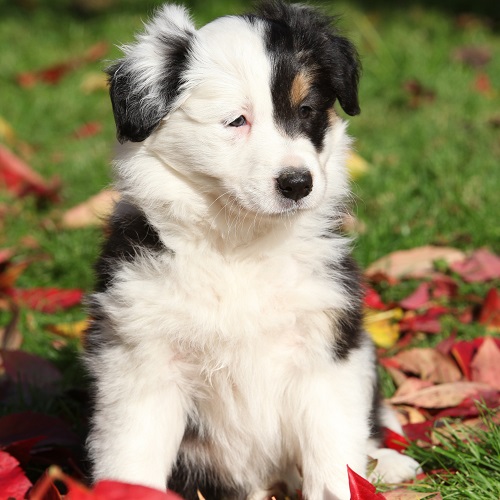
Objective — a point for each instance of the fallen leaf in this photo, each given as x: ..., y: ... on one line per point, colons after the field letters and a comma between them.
x: 427, y: 322
x: 486, y: 364
x: 19, y: 179
x: 47, y: 300
x: 463, y: 353
x: 402, y: 494
x: 490, y: 312
x: 13, y: 483
x: 360, y: 488
x: 383, y: 327
x: 482, y: 85
x: 53, y: 74
x: 395, y: 441
x: 418, y: 299
x: 412, y: 385
x: 421, y: 431
x: 445, y: 395
x: 17, y: 427
x: 373, y: 299
x: 356, y: 165
x: 92, y: 212
x: 74, y: 330
x: 418, y: 94
x: 414, y: 263
x: 481, y: 266
x: 429, y: 364
x: 29, y: 371
x: 472, y: 55
x: 87, y: 130
x: 443, y: 286
x: 94, y: 81
x: 103, y: 490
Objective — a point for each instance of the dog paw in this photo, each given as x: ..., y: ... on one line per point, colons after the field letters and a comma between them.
x: 393, y: 467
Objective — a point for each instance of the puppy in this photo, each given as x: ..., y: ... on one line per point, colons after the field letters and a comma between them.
x: 226, y: 344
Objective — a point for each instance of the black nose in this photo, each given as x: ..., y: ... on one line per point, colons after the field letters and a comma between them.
x: 294, y: 184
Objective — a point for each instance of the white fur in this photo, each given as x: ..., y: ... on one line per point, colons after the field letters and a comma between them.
x: 233, y: 329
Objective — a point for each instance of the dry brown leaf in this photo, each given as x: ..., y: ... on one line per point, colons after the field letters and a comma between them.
x: 411, y: 385
x: 409, y: 415
x: 403, y: 494
x: 429, y: 364
x: 92, y: 212
x: 443, y: 395
x: 415, y: 263
x: 486, y: 364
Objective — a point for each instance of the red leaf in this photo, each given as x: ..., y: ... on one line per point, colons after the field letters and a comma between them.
x: 87, y: 130
x: 29, y: 371
x: 427, y: 322
x: 419, y: 298
x: 490, y: 313
x: 103, y: 490
x: 482, y: 265
x: 373, y: 299
x: 55, y: 73
x: 482, y: 84
x: 360, y: 488
x: 486, y: 364
x: 18, y: 178
x: 17, y: 427
x: 420, y: 431
x: 394, y: 440
x: 13, y: 483
x: 21, y: 450
x: 47, y: 300
x: 443, y: 286
x: 463, y: 352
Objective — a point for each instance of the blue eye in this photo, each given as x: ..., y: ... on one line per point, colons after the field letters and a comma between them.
x: 239, y: 122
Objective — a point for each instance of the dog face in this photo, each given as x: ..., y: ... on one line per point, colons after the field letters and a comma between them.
x: 243, y: 107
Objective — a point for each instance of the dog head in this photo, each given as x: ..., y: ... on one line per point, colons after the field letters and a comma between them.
x: 243, y: 107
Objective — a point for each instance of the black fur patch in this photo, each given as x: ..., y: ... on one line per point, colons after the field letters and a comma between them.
x: 135, y: 121
x: 300, y: 39
x: 375, y: 420
x: 349, y: 326
x: 188, y: 477
x: 129, y: 233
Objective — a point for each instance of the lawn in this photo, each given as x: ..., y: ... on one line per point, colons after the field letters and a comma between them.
x: 429, y: 131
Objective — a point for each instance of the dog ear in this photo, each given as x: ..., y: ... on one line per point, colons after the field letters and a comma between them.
x: 345, y: 76
x: 145, y: 83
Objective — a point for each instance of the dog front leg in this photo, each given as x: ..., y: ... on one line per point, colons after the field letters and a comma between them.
x: 333, y: 434
x: 139, y: 418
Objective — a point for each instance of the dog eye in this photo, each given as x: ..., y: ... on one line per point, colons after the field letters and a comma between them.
x: 239, y: 122
x: 305, y: 111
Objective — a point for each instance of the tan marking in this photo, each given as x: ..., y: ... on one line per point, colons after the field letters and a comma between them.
x: 332, y: 115
x: 300, y: 88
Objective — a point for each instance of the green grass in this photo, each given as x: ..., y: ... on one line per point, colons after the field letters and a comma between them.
x: 468, y: 463
x: 433, y: 174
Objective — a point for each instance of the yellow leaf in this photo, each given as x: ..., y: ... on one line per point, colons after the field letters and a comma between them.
x: 356, y: 165
x: 7, y: 133
x: 73, y: 330
x: 383, y: 326
x: 94, y: 81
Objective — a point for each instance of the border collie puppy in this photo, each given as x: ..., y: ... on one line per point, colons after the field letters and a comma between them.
x: 226, y: 343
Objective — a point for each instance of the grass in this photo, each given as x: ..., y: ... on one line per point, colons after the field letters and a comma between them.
x: 433, y: 174
x: 467, y: 464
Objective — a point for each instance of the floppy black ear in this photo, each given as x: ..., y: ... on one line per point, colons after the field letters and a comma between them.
x: 345, y: 73
x: 145, y: 83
